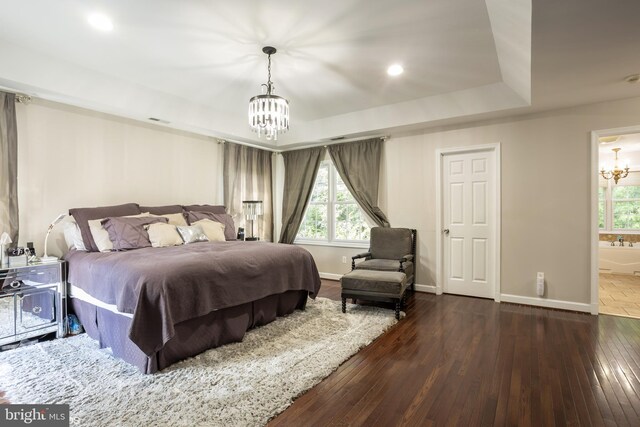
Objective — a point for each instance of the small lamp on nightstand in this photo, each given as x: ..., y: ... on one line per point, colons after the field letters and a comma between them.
x: 252, y: 210
x: 45, y: 257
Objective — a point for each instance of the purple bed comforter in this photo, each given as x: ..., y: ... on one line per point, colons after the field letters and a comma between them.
x: 162, y: 287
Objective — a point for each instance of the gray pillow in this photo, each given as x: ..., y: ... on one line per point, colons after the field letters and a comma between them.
x: 229, y: 226
x: 129, y: 233
x: 83, y: 215
x: 217, y: 209
x: 192, y: 233
x: 162, y: 210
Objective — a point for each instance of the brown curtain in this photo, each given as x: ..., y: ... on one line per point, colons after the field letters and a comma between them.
x: 358, y: 164
x: 247, y: 176
x: 300, y: 169
x: 8, y: 166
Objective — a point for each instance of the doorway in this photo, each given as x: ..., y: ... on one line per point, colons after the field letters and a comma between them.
x: 468, y: 225
x: 616, y: 223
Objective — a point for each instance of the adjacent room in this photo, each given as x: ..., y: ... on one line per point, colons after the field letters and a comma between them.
x: 319, y: 213
x: 619, y: 225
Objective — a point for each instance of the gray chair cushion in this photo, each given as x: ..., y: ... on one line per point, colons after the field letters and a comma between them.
x: 385, y: 265
x: 390, y: 243
x: 384, y: 282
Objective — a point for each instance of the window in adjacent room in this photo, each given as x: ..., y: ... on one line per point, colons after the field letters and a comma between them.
x: 602, y: 204
x: 333, y: 215
x: 625, y: 207
x: 619, y: 206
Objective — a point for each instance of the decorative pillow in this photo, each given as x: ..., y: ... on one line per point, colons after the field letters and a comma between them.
x: 72, y: 236
x: 129, y: 233
x: 161, y: 235
x: 229, y: 227
x: 162, y: 210
x: 192, y: 234
x: 100, y: 234
x: 217, y: 209
x: 83, y: 215
x: 174, y: 219
x: 213, y: 229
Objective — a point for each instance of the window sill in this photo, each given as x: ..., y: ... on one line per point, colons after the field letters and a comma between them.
x: 332, y: 244
x: 620, y: 232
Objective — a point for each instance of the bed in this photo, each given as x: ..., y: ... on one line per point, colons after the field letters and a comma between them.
x: 154, y: 306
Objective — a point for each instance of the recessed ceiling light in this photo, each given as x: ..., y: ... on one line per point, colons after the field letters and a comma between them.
x: 100, y: 21
x: 395, y: 70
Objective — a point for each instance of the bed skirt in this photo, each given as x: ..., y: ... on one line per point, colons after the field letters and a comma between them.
x: 192, y: 337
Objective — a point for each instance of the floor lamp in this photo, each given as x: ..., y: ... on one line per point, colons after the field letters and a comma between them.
x: 252, y: 210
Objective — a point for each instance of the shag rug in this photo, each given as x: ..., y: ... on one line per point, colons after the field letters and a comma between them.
x: 240, y: 384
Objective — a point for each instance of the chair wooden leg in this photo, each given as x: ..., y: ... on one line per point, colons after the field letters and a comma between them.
x: 344, y: 305
x: 398, y: 309
x: 353, y: 300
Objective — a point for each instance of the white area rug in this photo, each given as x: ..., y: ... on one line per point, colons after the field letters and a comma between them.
x: 241, y: 384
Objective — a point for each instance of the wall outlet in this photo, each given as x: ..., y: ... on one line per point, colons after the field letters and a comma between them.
x: 344, y: 259
x: 540, y: 284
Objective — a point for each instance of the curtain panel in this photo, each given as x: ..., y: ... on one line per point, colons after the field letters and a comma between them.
x: 8, y: 166
x: 300, y: 169
x: 247, y: 176
x: 358, y: 164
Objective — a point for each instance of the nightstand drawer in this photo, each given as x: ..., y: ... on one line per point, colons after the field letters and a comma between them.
x: 36, y: 309
x: 15, y: 278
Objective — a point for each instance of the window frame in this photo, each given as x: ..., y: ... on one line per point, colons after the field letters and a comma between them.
x: 609, y: 208
x: 331, y: 203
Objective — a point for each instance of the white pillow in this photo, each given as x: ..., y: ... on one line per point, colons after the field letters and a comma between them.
x: 214, y: 230
x: 192, y: 234
x: 161, y: 235
x: 174, y: 219
x: 72, y: 236
x: 101, y: 235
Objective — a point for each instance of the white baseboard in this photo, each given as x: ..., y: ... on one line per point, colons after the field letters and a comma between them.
x: 548, y: 303
x: 330, y: 276
x: 426, y: 288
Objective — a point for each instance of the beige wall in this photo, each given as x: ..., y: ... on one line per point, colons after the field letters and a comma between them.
x: 545, y: 194
x: 70, y: 157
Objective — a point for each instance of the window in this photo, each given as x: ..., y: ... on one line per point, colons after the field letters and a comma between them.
x: 602, y: 203
x: 618, y: 207
x: 333, y: 215
x: 625, y: 206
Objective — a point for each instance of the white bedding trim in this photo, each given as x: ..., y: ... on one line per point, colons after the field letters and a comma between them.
x: 76, y: 292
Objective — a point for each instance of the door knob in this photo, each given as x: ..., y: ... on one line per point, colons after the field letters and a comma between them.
x: 445, y: 231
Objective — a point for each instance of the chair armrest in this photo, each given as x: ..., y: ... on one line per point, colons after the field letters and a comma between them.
x: 355, y: 257
x: 406, y: 258
x: 403, y: 260
x: 362, y: 255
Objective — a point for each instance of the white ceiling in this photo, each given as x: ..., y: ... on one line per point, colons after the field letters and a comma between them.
x: 196, y: 63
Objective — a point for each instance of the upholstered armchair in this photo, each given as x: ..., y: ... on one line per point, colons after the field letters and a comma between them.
x: 390, y: 249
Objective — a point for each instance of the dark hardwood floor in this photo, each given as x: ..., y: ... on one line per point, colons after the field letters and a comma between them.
x: 467, y: 361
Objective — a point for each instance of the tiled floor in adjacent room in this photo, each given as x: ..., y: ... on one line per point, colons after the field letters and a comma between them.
x: 620, y: 294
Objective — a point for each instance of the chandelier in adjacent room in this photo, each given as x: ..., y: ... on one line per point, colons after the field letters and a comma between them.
x: 616, y: 173
x: 269, y: 113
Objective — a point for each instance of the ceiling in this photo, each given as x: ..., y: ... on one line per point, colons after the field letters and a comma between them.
x: 195, y: 64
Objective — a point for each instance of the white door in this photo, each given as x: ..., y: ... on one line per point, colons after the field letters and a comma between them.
x: 468, y: 222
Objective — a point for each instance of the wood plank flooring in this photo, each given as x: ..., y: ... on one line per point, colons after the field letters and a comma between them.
x: 619, y: 294
x: 467, y: 361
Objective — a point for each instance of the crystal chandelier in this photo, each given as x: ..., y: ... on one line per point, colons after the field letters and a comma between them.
x: 268, y: 113
x: 616, y: 173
